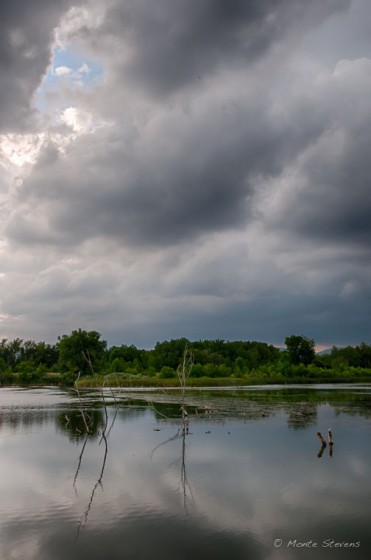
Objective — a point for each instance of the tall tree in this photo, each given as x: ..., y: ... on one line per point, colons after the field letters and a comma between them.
x: 81, y: 351
x: 300, y: 349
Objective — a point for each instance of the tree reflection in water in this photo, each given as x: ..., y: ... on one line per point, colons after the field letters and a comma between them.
x: 85, y: 516
x: 182, y: 433
x: 187, y: 489
x: 183, y: 373
x: 93, y: 427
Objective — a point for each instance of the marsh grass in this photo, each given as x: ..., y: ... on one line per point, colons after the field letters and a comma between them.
x: 137, y: 381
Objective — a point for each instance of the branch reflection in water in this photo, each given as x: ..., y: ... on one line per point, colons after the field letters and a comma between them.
x: 183, y: 373
x: 182, y: 433
x: 184, y: 479
x: 85, y: 516
x: 104, y: 436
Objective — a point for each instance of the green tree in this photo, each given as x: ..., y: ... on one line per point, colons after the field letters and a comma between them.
x: 170, y: 352
x: 10, y: 351
x: 365, y: 355
x: 128, y: 357
x: 81, y: 351
x: 300, y: 349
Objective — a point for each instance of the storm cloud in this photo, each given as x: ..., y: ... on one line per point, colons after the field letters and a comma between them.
x: 213, y: 181
x: 182, y: 175
x: 166, y: 46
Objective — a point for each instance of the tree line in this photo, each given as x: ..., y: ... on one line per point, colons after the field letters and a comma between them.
x: 86, y: 353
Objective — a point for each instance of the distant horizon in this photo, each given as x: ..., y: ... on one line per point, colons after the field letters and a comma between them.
x: 318, y: 347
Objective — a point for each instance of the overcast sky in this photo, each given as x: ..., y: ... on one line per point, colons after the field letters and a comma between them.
x: 195, y: 168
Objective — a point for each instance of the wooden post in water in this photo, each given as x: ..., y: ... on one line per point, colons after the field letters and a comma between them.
x: 321, y: 439
x: 330, y: 440
x: 320, y: 452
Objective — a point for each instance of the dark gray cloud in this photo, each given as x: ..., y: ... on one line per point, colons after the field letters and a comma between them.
x: 214, y: 184
x: 181, y: 177
x: 331, y: 203
x: 337, y: 207
x: 167, y: 45
x: 26, y: 34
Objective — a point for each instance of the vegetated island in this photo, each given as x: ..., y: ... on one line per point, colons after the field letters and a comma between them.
x: 84, y: 355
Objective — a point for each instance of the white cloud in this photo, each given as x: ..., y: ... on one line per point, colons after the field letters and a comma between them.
x: 20, y: 149
x: 62, y: 71
x: 79, y: 121
x: 88, y: 16
x: 84, y: 69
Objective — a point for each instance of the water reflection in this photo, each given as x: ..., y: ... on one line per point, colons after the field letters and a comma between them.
x: 324, y: 444
x: 84, y: 518
x: 181, y: 434
x: 91, y: 429
x: 20, y: 408
x: 17, y: 419
x: 140, y: 483
x: 323, y: 447
x: 301, y: 415
x: 74, y: 423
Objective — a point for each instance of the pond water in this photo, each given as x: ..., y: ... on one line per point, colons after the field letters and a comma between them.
x: 245, y: 479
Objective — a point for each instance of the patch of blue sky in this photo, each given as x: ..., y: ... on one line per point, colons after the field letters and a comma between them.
x: 70, y: 63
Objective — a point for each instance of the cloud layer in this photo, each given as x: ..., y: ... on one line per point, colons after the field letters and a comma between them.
x: 213, y: 183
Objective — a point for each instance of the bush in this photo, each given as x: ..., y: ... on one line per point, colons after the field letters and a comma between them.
x: 7, y: 377
x: 197, y: 370
x: 167, y: 372
x: 68, y: 378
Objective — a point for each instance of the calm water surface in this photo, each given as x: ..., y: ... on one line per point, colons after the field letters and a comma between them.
x: 248, y: 481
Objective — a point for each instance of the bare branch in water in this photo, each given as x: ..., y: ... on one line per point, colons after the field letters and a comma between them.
x: 105, y: 434
x: 184, y: 372
x: 85, y: 516
x: 183, y: 474
x: 113, y: 420
x: 172, y: 438
x: 79, y: 463
x: 80, y: 401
